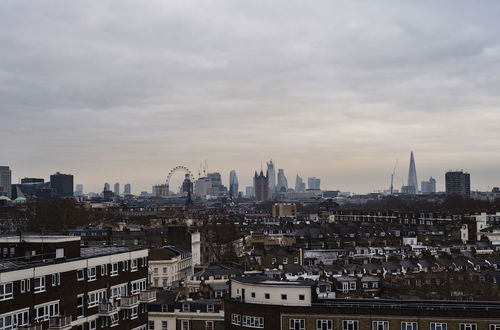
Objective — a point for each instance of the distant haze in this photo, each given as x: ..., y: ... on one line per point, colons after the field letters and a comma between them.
x: 125, y: 90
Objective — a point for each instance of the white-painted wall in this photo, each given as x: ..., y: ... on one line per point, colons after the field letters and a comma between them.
x: 275, y: 290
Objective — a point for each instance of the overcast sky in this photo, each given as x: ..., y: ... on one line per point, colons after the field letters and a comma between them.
x: 125, y: 90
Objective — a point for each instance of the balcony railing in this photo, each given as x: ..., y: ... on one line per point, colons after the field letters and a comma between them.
x: 107, y: 308
x: 129, y: 301
x: 147, y: 296
x: 36, y: 326
x: 60, y: 322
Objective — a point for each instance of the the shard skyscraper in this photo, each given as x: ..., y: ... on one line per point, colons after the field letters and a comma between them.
x: 412, y: 176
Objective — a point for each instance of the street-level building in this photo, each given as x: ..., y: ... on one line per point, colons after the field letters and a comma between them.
x: 53, y: 282
x: 260, y: 303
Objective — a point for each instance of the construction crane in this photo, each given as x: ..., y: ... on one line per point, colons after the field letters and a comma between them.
x: 392, y: 176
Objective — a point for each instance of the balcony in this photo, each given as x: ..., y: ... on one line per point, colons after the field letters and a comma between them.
x: 60, y: 322
x: 35, y: 326
x: 147, y: 296
x: 107, y: 309
x: 129, y: 301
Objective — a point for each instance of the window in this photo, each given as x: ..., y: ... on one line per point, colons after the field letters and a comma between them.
x: 92, y: 325
x: 253, y: 294
x: 91, y: 274
x: 79, y: 306
x: 209, y: 325
x: 164, y: 325
x: 350, y: 325
x: 236, y: 319
x: 114, y: 269
x: 285, y: 261
x: 138, y: 286
x: 409, y: 326
x: 324, y: 325
x: 273, y: 260
x: 125, y: 265
x: 95, y: 297
x: 80, y: 275
x: 43, y: 312
x: 352, y: 285
x: 6, y: 291
x: 283, y: 297
x: 135, y: 313
x: 494, y: 326
x: 295, y: 260
x: 164, y: 308
x: 210, y: 309
x: 302, y: 297
x: 39, y: 285
x: 165, y: 283
x: 268, y: 296
x: 297, y: 324
x: 184, y: 325
x: 104, y: 269
x: 185, y: 307
x: 14, y: 319
x: 118, y: 291
x: 252, y: 321
x: 468, y: 326
x: 133, y: 266
x: 380, y: 325
x: 438, y: 326
x: 155, y: 270
x: 151, y: 325
x: 56, y: 279
x: 23, y: 286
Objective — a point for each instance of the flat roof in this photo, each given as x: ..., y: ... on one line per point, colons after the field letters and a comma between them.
x: 38, y: 239
x: 260, y: 280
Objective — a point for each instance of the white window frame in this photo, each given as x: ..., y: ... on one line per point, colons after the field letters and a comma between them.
x: 438, y: 326
x: 134, y: 313
x: 82, y: 305
x: 236, y: 319
x: 494, y: 327
x: 49, y: 309
x: 6, y: 291
x: 285, y: 261
x: 323, y: 324
x: 114, y: 269
x: 56, y: 279
x: 164, y: 325
x: 184, y: 325
x: 211, y: 308
x: 91, y: 274
x: 380, y: 325
x: 80, y: 274
x: 93, y: 325
x: 468, y: 326
x: 350, y: 325
x: 409, y: 325
x: 133, y: 265
x: 297, y: 324
x: 252, y: 321
x: 104, y: 269
x: 94, y: 298
x: 41, y: 286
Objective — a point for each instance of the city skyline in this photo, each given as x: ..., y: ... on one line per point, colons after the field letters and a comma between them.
x: 336, y: 90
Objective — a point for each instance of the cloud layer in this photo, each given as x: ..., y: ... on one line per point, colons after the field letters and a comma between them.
x: 125, y: 90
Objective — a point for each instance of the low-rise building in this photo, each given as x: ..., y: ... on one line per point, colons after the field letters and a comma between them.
x: 170, y: 265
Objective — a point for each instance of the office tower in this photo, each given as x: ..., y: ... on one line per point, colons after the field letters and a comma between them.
x: 233, y: 185
x: 5, y: 181
x: 299, y: 184
x: 313, y: 183
x: 187, y: 186
x: 127, y: 190
x: 32, y: 180
x: 249, y: 192
x: 79, y: 190
x: 63, y: 184
x: 261, y: 186
x: 106, y: 187
x: 117, y: 189
x: 428, y: 187
x: 271, y: 178
x: 457, y: 183
x: 282, y: 185
x: 159, y: 190
x: 412, y: 187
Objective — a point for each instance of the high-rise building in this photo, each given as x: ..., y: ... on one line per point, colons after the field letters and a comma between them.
x: 412, y: 187
x: 457, y: 183
x: 299, y: 184
x: 116, y: 189
x: 233, y: 184
x: 5, y: 181
x: 79, y: 190
x: 428, y: 187
x: 282, y: 185
x: 160, y: 190
x: 271, y: 178
x: 313, y: 183
x: 63, y: 184
x: 127, y: 190
x: 249, y: 192
x: 106, y: 187
x: 261, y: 186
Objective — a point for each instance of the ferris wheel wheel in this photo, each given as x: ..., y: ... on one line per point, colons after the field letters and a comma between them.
x: 187, y: 172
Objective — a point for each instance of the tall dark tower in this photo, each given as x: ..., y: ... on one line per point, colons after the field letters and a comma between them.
x: 412, y: 176
x: 261, y: 186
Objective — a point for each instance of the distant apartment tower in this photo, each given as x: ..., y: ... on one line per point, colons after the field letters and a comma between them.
x: 261, y: 186
x: 127, y: 190
x: 107, y: 187
x: 299, y: 184
x: 233, y: 185
x: 457, y: 183
x: 249, y: 192
x: 313, y: 183
x: 271, y: 178
x: 79, y: 190
x: 428, y: 187
x: 282, y: 181
x: 63, y: 184
x: 116, y: 189
x: 5, y: 181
